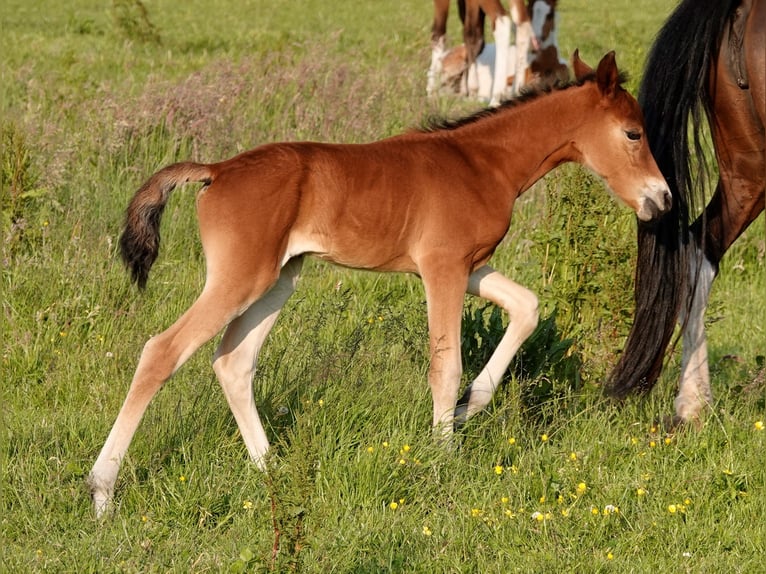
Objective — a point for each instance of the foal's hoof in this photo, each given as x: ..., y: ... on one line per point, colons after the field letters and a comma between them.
x: 101, y: 497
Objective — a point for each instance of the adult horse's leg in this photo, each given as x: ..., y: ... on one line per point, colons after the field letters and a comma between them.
x: 521, y: 305
x: 438, y: 45
x: 162, y: 356
x: 694, y: 389
x: 737, y: 124
x: 235, y: 359
x: 445, y: 284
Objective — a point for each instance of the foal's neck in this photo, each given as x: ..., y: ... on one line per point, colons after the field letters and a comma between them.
x: 529, y: 139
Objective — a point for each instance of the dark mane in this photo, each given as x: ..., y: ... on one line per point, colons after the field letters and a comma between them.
x: 437, y: 123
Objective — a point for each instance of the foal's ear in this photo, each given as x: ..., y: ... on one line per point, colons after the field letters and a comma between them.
x: 581, y: 69
x: 607, y: 75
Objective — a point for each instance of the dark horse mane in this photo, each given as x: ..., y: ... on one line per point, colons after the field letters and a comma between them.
x: 673, y: 95
x: 436, y: 124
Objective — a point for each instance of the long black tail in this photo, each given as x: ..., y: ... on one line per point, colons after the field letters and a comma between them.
x: 140, y: 241
x: 674, y: 97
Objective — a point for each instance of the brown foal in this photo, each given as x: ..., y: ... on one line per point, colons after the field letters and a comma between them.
x: 435, y: 203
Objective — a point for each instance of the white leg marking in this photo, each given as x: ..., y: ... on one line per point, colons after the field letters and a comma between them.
x: 521, y: 306
x: 524, y: 35
x: 236, y: 357
x: 435, y: 71
x: 500, y: 73
x: 694, y: 389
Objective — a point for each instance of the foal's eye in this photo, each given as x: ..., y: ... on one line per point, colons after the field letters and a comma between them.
x: 633, y: 135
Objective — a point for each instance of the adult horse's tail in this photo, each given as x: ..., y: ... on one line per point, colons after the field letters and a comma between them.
x: 673, y: 95
x: 140, y: 241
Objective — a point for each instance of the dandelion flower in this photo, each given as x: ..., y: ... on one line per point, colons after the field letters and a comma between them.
x: 476, y: 512
x: 758, y: 425
x: 538, y: 516
x: 573, y: 456
x: 247, y: 505
x: 652, y: 444
x: 594, y: 511
x: 511, y: 441
x: 504, y: 500
x: 668, y: 440
x: 564, y: 512
x: 402, y: 461
x: 581, y: 488
x: 394, y: 505
x: 385, y: 444
x: 609, y: 556
x: 640, y: 491
x: 687, y: 501
x: 427, y: 531
x: 370, y: 449
x: 544, y: 438
x: 405, y: 448
x: 182, y: 478
x: 542, y: 500
x: 672, y: 509
x: 498, y: 469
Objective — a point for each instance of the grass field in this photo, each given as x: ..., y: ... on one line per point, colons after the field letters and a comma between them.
x: 96, y: 96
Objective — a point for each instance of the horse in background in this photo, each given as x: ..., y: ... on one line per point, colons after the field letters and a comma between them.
x: 541, y: 67
x: 709, y: 60
x: 433, y: 203
x: 472, y: 15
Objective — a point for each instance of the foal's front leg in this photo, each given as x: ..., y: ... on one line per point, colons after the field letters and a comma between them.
x: 445, y: 290
x: 521, y: 305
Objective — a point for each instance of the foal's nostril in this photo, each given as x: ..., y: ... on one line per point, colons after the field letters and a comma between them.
x: 668, y: 200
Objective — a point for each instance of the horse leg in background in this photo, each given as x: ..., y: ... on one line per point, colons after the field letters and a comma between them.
x: 445, y: 286
x: 525, y: 38
x: 438, y: 45
x: 521, y: 305
x: 502, y: 34
x: 235, y: 359
x: 162, y: 356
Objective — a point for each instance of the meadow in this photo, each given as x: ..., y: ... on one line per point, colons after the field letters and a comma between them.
x: 96, y: 96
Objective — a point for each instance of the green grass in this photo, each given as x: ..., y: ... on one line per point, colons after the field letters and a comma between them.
x: 94, y: 97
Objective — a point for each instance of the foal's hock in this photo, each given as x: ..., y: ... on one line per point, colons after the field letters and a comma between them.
x: 435, y: 203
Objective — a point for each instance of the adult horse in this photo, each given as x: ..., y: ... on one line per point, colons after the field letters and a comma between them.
x: 434, y: 203
x: 472, y: 15
x: 710, y: 56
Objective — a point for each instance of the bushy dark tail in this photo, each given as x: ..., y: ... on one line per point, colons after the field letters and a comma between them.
x: 674, y: 97
x: 140, y: 241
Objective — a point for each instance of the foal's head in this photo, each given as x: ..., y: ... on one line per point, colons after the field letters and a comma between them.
x: 612, y: 142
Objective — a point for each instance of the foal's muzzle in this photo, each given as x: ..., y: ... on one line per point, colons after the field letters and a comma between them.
x: 657, y: 200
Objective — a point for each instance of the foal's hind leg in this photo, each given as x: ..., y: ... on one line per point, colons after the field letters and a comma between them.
x: 521, y: 306
x: 162, y: 356
x: 237, y: 355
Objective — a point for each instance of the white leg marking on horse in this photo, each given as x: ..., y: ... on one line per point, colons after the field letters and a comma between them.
x: 438, y: 52
x: 521, y: 305
x: 524, y: 34
x: 694, y: 389
x: 500, y: 74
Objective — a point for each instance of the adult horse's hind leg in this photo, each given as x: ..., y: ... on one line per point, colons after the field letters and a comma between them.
x: 236, y: 357
x: 521, y: 305
x: 162, y: 356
